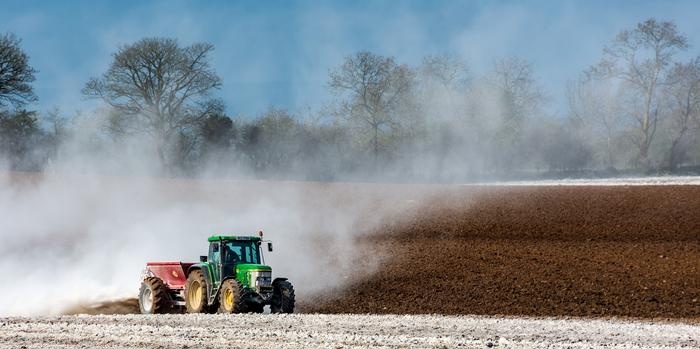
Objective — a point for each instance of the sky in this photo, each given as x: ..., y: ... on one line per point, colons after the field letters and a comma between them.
x: 279, y: 53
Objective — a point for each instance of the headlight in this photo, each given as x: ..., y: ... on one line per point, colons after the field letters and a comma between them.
x: 261, y: 278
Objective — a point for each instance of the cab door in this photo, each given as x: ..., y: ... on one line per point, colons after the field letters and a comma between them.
x: 215, y: 259
x: 230, y: 255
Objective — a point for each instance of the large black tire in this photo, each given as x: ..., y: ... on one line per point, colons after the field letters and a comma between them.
x: 154, y: 297
x: 282, y: 297
x: 249, y: 306
x: 196, y: 293
x: 231, y: 297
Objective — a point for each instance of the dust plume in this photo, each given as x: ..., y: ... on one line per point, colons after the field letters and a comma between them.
x: 81, y: 238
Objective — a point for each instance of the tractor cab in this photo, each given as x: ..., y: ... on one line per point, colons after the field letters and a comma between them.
x: 233, y: 250
x: 239, y: 257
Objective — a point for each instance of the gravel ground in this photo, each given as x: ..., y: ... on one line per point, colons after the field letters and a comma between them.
x: 657, y: 180
x: 338, y: 331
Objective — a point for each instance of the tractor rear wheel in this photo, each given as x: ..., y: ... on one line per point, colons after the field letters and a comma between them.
x: 153, y: 296
x: 282, y: 297
x: 196, y: 293
x: 231, y: 297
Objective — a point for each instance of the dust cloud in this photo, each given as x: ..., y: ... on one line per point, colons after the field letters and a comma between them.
x: 72, y: 238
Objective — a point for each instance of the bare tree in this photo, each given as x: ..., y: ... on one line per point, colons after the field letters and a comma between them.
x: 443, y: 82
x: 375, y: 88
x: 19, y: 134
x: 158, y: 87
x: 55, y: 123
x: 520, y: 98
x: 16, y: 75
x: 594, y: 107
x: 273, y: 142
x: 684, y: 98
x: 446, y: 69
x: 640, y: 59
x: 520, y: 93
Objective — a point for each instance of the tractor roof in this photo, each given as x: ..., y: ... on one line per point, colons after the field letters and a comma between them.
x: 231, y: 237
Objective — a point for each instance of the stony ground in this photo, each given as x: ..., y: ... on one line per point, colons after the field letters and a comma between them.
x: 338, y: 331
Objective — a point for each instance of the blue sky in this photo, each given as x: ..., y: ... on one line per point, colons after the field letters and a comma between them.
x: 279, y: 52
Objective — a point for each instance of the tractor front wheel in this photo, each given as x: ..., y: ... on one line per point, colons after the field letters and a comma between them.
x: 196, y: 293
x: 230, y: 297
x: 153, y: 296
x: 282, y: 297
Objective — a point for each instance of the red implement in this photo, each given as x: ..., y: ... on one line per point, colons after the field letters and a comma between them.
x: 172, y: 273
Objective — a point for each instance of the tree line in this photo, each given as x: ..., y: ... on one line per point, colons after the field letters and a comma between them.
x: 637, y: 111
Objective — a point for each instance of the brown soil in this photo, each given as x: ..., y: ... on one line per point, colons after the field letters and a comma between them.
x: 541, y: 251
x: 120, y: 306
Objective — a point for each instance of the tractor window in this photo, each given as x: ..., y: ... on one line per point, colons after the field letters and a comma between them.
x: 241, y: 252
x: 214, y: 252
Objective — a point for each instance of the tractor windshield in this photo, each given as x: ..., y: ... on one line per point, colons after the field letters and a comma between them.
x: 241, y: 252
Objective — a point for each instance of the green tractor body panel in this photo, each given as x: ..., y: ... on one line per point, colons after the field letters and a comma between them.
x: 245, y: 273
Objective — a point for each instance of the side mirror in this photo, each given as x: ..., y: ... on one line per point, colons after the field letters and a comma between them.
x: 269, y: 246
x: 202, y: 259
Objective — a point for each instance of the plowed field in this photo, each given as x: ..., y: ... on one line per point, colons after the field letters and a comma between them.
x: 631, y: 251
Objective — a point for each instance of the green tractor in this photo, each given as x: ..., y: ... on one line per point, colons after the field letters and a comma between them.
x: 231, y: 279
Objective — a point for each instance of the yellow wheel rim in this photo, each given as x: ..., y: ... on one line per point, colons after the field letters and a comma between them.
x: 228, y: 299
x: 195, y: 294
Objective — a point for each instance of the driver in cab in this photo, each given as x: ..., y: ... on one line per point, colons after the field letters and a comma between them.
x: 230, y: 257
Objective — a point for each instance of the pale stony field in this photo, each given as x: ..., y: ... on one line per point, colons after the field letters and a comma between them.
x: 623, y: 181
x: 339, y: 331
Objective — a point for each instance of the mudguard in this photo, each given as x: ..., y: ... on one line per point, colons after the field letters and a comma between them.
x: 277, y: 280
